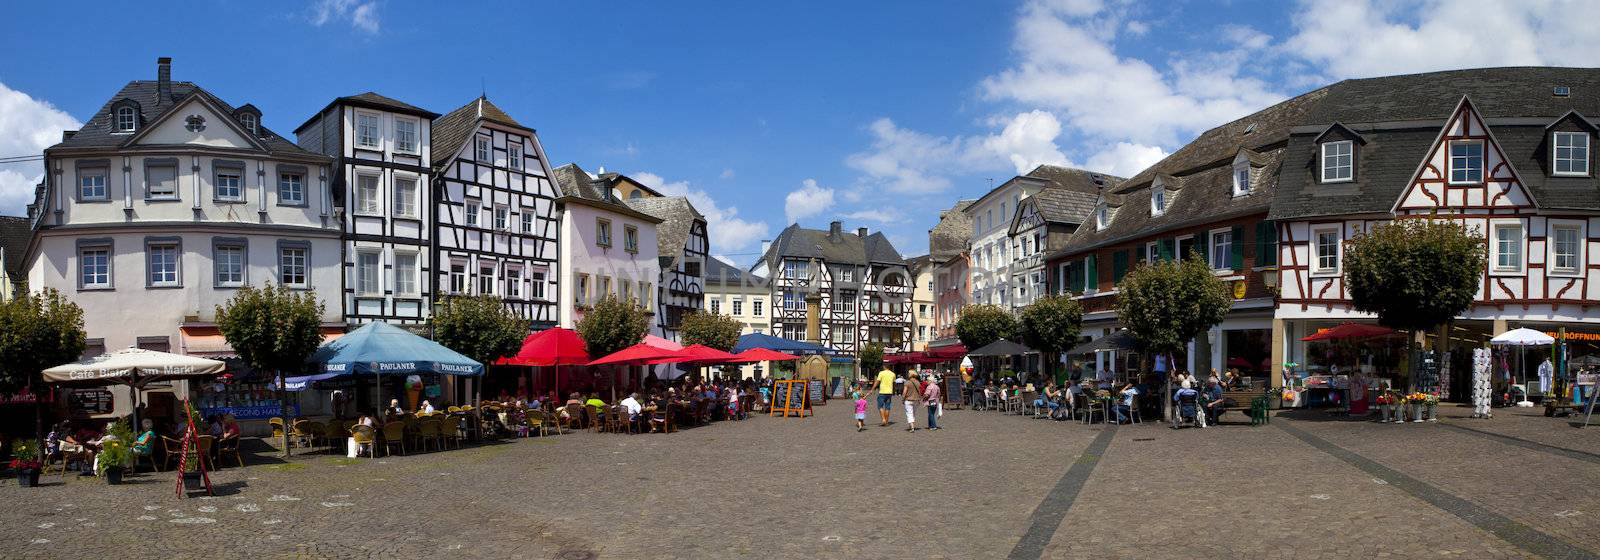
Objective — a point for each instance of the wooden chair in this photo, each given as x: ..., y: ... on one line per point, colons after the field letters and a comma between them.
x: 592, y: 420
x: 207, y: 443
x: 453, y: 409
x: 277, y: 427
x: 617, y: 420
x: 77, y: 454
x: 1027, y: 402
x: 303, y: 433
x: 171, y: 450
x: 334, y: 432
x: 394, y: 434
x: 229, y: 447
x: 536, y: 421
x: 427, y: 431
x: 661, y: 416
x: 365, y: 436
x: 449, y: 430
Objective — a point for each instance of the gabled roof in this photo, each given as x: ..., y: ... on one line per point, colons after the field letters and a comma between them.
x: 1401, y: 116
x: 98, y: 131
x: 1074, y: 179
x: 721, y: 273
x: 949, y: 237
x: 371, y: 100
x: 677, y: 216
x: 15, y: 232
x: 1063, y: 206
x: 1341, y: 128
x: 848, y: 247
x: 918, y: 263
x: 451, y: 130
x: 577, y: 187
x: 201, y: 97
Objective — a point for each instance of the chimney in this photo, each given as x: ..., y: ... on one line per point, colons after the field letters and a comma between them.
x: 861, y: 232
x: 835, y: 230
x: 766, y: 244
x: 163, y: 80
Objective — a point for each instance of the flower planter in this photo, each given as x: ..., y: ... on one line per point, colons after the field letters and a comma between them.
x: 1433, y: 413
x: 1416, y: 412
x: 113, y: 476
x: 28, y: 478
x: 192, y: 481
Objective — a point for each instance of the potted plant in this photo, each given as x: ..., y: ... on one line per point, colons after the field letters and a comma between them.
x: 113, y: 459
x: 1416, y: 400
x: 1385, y: 405
x: 26, y: 463
x: 1431, y: 402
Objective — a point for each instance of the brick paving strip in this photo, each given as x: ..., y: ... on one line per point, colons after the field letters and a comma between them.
x: 1047, y: 517
x: 1534, y: 445
x: 1519, y: 535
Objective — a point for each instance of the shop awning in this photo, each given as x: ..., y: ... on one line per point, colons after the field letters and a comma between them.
x: 132, y: 366
x: 1120, y: 341
x: 384, y: 349
x: 206, y: 340
x: 1349, y: 330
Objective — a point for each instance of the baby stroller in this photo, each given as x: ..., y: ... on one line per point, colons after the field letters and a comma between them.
x: 1188, y: 409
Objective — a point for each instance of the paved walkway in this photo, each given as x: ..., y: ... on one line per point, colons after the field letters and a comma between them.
x: 989, y: 486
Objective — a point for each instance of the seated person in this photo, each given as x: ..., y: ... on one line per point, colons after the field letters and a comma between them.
x: 632, y: 405
x: 145, y: 443
x: 1214, y: 401
x: 1188, y: 401
x: 230, y: 427
x: 594, y: 403
x: 1125, y: 407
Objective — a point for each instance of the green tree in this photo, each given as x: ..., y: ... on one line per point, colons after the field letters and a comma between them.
x: 711, y: 329
x: 37, y: 331
x: 1168, y: 303
x: 273, y: 329
x: 871, y: 358
x: 1415, y: 275
x: 479, y: 327
x: 981, y: 325
x: 613, y: 324
x: 1051, y: 325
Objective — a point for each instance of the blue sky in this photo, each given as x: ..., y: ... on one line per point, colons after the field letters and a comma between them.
x: 876, y: 113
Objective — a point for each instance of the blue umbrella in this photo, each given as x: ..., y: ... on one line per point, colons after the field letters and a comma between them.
x: 754, y: 340
x: 300, y: 382
x: 383, y: 349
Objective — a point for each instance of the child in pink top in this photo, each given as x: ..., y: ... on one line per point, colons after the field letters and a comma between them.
x: 861, y: 411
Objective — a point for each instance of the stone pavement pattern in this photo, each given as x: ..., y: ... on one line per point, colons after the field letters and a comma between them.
x: 815, y: 488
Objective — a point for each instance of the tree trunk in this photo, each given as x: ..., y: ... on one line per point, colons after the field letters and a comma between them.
x: 283, y: 411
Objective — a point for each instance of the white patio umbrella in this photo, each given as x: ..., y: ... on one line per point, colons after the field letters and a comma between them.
x: 134, y: 367
x: 1523, y: 338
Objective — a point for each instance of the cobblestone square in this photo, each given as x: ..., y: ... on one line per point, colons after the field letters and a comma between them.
x: 988, y: 486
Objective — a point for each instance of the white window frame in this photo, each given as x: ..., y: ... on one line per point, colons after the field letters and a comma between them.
x: 1520, y: 244
x: 400, y: 136
x: 738, y: 307
x: 368, y: 204
x: 502, y: 217
x: 716, y: 305
x: 250, y: 122
x: 1317, y: 269
x: 1158, y: 201
x: 471, y: 211
x: 296, y: 258
x: 537, y: 278
x: 757, y: 307
x: 1242, y: 176
x: 1102, y: 216
x: 296, y: 186
x: 458, y: 276
x: 514, y: 156
x: 405, y: 203
x: 100, y: 277
x: 1450, y: 162
x: 405, y: 276
x: 1213, y: 249
x: 363, y: 140
x: 87, y: 182
x: 369, y: 272
x: 1152, y: 252
x: 1556, y: 159
x: 581, y: 290
x: 483, y: 149
x: 513, y: 283
x: 1330, y: 152
x: 152, y: 251
x: 237, y: 268
x: 1578, y: 253
x: 128, y: 114
x: 235, y: 187
x: 630, y: 238
x: 527, y: 220
x: 602, y: 232
x: 492, y: 279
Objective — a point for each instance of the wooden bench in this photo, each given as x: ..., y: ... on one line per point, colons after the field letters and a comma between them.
x: 1243, y: 400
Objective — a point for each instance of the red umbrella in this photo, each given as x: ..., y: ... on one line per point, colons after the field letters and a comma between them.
x: 697, y: 354
x: 762, y: 355
x: 1349, y: 330
x: 550, y: 347
x: 638, y: 355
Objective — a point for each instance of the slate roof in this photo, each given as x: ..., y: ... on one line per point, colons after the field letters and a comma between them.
x: 578, y: 187
x: 15, y: 232
x: 98, y: 132
x: 917, y: 263
x: 1074, y: 179
x: 721, y: 273
x: 1199, y: 178
x: 677, y: 221
x: 374, y: 101
x: 848, y: 247
x: 452, y: 129
x: 1064, y: 206
x: 949, y: 237
x: 1399, y: 117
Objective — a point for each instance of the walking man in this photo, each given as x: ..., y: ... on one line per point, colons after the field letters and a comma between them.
x: 912, y: 395
x: 885, y: 384
x: 930, y: 394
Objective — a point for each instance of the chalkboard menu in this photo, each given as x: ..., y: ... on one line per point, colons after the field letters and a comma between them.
x: 89, y: 402
x: 953, y: 388
x: 789, y: 397
x: 816, y: 392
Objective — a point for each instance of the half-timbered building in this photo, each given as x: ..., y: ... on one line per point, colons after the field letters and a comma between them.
x: 496, y: 224
x: 1043, y: 222
x: 1507, y: 152
x: 851, y: 289
x: 381, y: 188
x: 684, y: 247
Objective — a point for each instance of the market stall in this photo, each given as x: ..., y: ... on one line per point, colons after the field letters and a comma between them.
x: 135, y: 368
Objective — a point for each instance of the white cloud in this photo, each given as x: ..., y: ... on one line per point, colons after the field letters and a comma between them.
x: 1398, y: 38
x: 1138, y: 28
x: 809, y: 200
x: 361, y: 15
x: 907, y: 161
x: 1126, y: 160
x: 27, y: 127
x: 727, y: 173
x: 882, y: 215
x: 727, y: 230
x: 1027, y: 141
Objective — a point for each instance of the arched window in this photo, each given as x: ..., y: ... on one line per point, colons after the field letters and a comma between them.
x: 127, y: 119
x: 636, y: 194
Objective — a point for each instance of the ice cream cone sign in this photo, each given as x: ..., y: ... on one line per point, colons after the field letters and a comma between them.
x: 413, y: 391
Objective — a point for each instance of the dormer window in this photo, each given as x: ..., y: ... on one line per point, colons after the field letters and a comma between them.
x: 249, y: 121
x: 1338, y: 161
x: 1241, y: 179
x: 1571, y: 154
x: 127, y: 119
x: 1102, y: 216
x: 1158, y: 200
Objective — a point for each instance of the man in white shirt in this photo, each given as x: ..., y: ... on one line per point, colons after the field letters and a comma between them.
x: 632, y: 405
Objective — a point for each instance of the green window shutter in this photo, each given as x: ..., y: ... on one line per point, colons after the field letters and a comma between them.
x: 1165, y: 248
x: 1266, y: 244
x: 1075, y: 277
x: 1238, y: 247
x: 1091, y: 273
x: 1138, y: 255
x: 1119, y: 266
